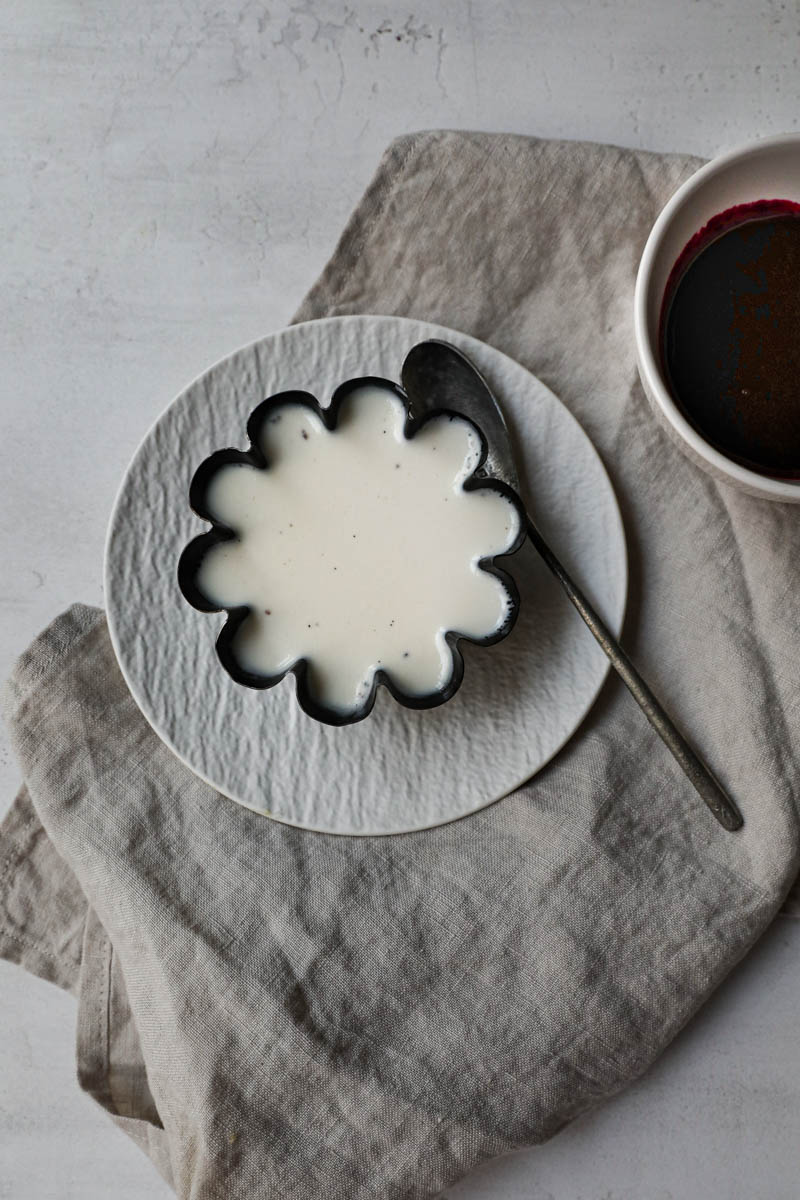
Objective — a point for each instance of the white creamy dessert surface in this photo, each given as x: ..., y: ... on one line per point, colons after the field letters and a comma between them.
x: 358, y: 548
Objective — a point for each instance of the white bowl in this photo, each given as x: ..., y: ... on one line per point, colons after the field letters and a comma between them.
x: 764, y: 170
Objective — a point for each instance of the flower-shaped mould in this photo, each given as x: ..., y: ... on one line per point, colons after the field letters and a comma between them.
x: 258, y: 457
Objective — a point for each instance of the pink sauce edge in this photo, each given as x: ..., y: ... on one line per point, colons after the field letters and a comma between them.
x: 729, y: 218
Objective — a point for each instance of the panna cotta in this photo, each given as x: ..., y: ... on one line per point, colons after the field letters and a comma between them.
x: 353, y: 546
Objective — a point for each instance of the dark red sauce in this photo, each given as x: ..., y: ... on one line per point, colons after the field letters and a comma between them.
x: 730, y: 334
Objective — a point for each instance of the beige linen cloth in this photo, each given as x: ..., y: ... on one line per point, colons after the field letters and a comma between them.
x: 273, y: 1013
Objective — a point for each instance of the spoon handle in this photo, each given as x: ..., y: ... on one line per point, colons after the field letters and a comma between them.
x: 704, y: 781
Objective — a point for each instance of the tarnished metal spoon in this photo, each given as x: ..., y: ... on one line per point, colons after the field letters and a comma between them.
x: 437, y: 375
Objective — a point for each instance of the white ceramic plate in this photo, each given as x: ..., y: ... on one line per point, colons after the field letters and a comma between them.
x: 399, y: 770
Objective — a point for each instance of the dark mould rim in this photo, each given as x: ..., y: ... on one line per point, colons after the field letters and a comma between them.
x: 193, y: 554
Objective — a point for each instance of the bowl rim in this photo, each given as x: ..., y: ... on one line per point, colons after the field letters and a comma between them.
x: 779, y: 489
x: 193, y: 553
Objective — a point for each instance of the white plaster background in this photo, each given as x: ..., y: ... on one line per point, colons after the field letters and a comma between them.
x: 174, y: 176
